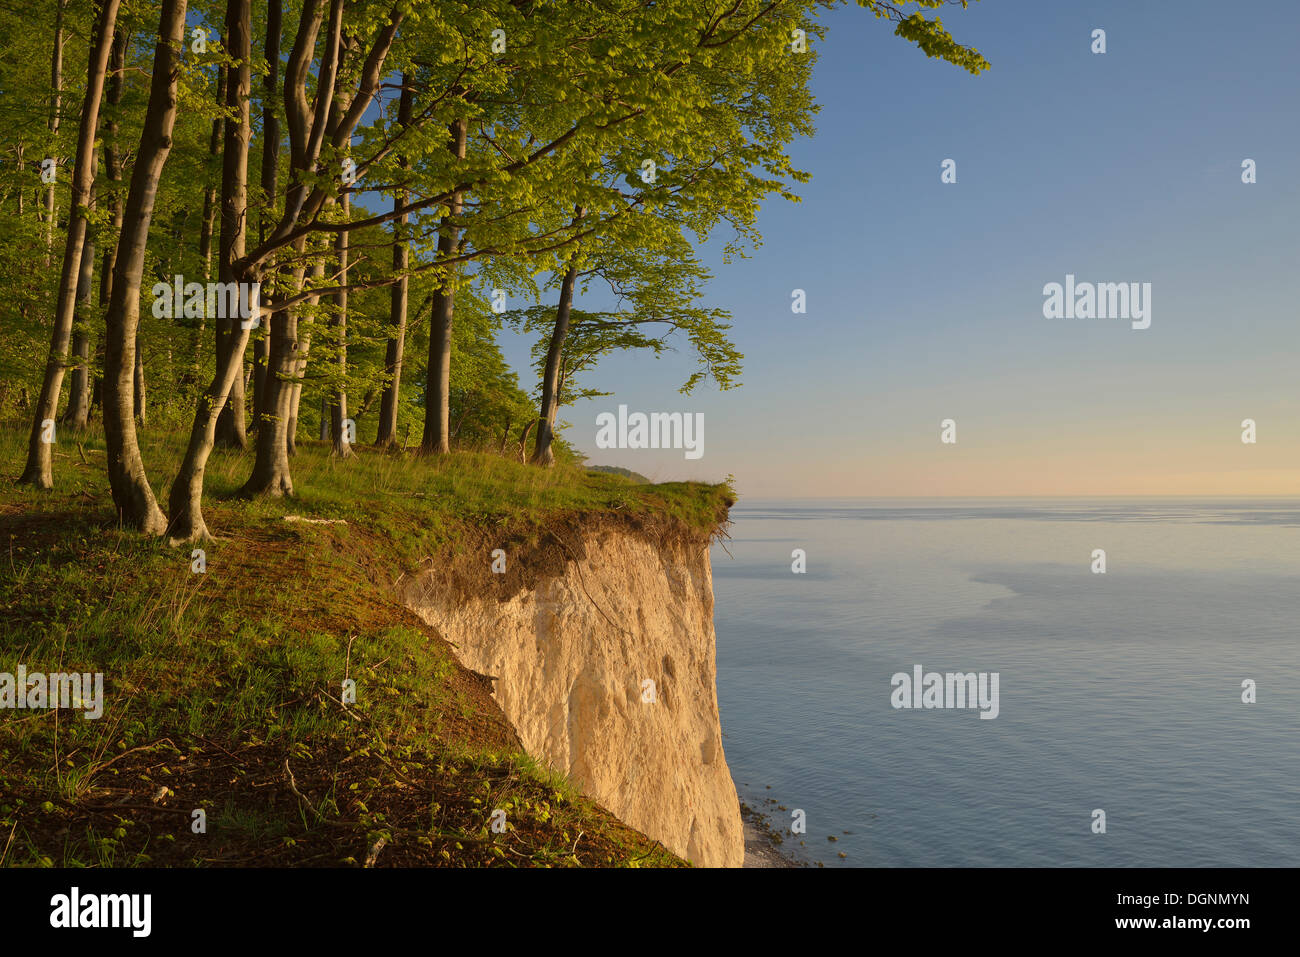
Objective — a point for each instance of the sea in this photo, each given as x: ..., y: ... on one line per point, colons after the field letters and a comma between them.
x: 1148, y: 715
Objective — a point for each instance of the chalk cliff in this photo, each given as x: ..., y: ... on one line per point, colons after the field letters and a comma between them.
x: 600, y: 638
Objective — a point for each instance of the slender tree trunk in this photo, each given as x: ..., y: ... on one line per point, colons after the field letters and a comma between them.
x: 232, y: 425
x: 261, y: 363
x: 137, y: 385
x: 40, y: 456
x: 131, y: 491
x: 56, y: 108
x: 302, y: 345
x: 437, y: 395
x: 324, y: 415
x: 232, y: 428
x: 97, y: 385
x: 390, y: 400
x: 21, y: 147
x: 113, y: 170
x: 543, y: 454
x: 207, y: 226
x: 523, y: 438
x: 77, y: 415
x: 232, y: 341
x: 186, y: 498
x: 295, y: 395
x: 339, y: 398
x: 270, y: 185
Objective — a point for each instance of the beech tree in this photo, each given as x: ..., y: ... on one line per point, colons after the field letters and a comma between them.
x: 269, y: 181
x: 132, y: 494
x: 657, y: 294
x: 591, y: 144
x: 185, y: 501
x: 396, y: 347
x: 39, y: 469
x: 310, y: 131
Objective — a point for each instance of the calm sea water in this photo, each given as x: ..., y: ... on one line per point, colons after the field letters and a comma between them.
x: 1119, y: 691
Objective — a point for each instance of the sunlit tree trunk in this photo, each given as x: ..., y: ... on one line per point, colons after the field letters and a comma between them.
x: 131, y: 491
x: 113, y: 171
x: 339, y: 396
x: 437, y: 401
x: 270, y: 184
x: 543, y: 454
x: 390, y: 400
x: 208, y: 224
x: 56, y: 109
x: 39, y: 470
x: 138, y: 387
x: 186, y: 498
x: 231, y: 340
x: 302, y: 352
x: 307, y: 130
x: 77, y: 415
x: 271, y: 474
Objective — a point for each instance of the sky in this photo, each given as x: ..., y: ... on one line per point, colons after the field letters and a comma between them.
x: 925, y: 299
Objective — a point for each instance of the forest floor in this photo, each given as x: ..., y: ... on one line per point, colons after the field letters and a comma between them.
x: 224, y: 702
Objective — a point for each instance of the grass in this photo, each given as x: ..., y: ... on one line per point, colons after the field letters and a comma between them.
x: 224, y: 690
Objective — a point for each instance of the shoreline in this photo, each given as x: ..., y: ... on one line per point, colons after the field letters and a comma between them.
x: 763, y: 843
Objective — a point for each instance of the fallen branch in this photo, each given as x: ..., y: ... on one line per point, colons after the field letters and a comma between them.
x: 293, y: 786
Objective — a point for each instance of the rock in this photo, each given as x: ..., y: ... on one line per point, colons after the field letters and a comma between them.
x: 572, y: 655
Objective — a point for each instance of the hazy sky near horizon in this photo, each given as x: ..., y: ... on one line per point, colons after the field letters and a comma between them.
x: 925, y: 299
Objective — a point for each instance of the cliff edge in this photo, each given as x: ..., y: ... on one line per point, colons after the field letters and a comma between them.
x: 599, y: 635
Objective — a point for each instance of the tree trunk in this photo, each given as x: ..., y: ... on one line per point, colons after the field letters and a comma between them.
x: 207, y: 225
x: 232, y: 425
x: 56, y: 108
x: 543, y: 454
x: 77, y: 415
x: 271, y: 475
x: 97, y: 386
x: 278, y: 421
x: 131, y: 491
x: 339, y: 398
x: 390, y: 400
x: 113, y: 170
x: 21, y: 148
x: 523, y: 438
x: 261, y: 362
x: 186, y: 498
x: 137, y: 385
x: 231, y: 340
x: 232, y: 419
x: 270, y: 185
x: 40, y: 454
x: 437, y: 402
x: 303, y: 352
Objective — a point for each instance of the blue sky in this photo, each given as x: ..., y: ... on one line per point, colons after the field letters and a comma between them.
x: 925, y: 299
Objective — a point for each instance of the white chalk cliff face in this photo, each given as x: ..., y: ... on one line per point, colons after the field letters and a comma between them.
x: 574, y: 655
